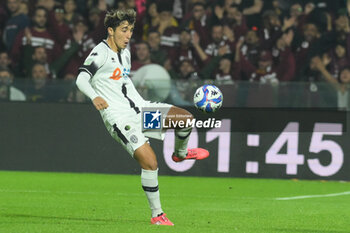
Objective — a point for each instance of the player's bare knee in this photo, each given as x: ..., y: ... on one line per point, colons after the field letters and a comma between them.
x: 152, y: 165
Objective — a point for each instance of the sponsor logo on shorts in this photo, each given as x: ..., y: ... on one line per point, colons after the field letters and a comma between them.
x: 152, y: 119
x: 133, y: 139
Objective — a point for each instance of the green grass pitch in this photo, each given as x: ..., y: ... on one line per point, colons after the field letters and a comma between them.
x: 38, y: 202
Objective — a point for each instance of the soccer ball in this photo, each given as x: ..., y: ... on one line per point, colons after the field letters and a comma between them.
x: 208, y: 98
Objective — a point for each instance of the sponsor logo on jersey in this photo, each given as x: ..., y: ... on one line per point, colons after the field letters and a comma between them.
x: 118, y: 74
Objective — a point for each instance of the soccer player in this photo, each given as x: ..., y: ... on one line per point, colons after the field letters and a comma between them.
x: 104, y: 79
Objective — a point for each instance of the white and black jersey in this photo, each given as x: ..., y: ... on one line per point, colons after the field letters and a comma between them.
x: 109, y: 72
x: 105, y: 73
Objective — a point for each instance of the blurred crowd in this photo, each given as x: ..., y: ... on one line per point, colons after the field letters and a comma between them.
x: 258, y: 41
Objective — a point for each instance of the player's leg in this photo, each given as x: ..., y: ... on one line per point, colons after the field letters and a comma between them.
x: 182, y: 136
x: 147, y: 159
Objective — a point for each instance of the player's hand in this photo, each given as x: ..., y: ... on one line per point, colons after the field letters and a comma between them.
x: 100, y: 103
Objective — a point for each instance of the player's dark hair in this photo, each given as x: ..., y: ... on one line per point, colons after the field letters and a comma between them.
x: 115, y: 17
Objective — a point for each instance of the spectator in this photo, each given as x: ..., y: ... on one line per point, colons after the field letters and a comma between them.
x: 168, y: 26
x: 37, y: 35
x: 187, y: 71
x: 224, y: 72
x: 151, y: 19
x: 96, y: 20
x: 275, y: 6
x: 265, y: 72
x: 185, y: 50
x: 5, y: 61
x: 296, y: 12
x: 221, y: 36
x: 250, y: 9
x: 284, y: 58
x: 158, y: 54
x: 40, y: 90
x: 70, y: 14
x: 310, y: 35
x: 58, y: 28
x: 7, y: 90
x: 38, y: 54
x: 143, y: 56
x: 271, y: 29
x: 233, y: 17
x: 17, y: 22
x: 336, y: 59
x: 83, y: 42
x: 199, y: 21
x: 340, y: 83
x: 47, y: 4
x: 342, y: 30
x: 251, y: 47
x: 204, y: 58
x: 53, y: 69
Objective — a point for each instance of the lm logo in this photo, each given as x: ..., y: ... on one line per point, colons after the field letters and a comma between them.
x: 117, y: 74
x: 152, y: 119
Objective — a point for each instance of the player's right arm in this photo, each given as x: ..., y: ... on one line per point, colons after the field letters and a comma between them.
x: 93, y: 62
x: 84, y: 86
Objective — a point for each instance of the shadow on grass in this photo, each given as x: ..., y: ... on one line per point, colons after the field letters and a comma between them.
x: 111, y: 221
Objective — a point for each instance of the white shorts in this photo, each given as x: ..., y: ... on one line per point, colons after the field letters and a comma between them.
x: 127, y: 127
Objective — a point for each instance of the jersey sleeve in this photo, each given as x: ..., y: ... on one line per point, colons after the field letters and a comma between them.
x: 94, y: 61
x: 84, y: 85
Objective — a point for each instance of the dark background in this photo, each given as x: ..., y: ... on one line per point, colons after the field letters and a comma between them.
x: 72, y: 138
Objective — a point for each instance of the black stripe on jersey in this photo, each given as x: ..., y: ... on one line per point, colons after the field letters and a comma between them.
x: 132, y: 104
x: 150, y: 189
x: 120, y: 59
x: 120, y: 134
x: 106, y: 43
x: 91, y: 69
x: 85, y: 70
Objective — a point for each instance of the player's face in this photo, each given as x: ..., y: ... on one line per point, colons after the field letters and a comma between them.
x: 122, y: 34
